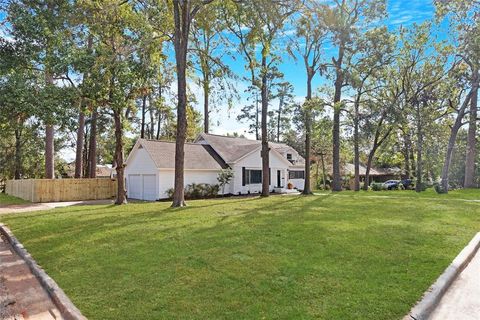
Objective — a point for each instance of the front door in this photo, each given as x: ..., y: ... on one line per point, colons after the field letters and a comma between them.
x: 279, y: 178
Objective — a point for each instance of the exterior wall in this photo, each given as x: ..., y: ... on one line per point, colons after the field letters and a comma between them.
x: 140, y: 163
x: 298, y: 183
x: 167, y: 178
x: 254, y: 161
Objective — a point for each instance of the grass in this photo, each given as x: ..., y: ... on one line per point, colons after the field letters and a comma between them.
x: 347, y: 256
x: 5, y: 199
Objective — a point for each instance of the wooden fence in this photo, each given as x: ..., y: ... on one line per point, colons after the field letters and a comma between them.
x: 53, y: 190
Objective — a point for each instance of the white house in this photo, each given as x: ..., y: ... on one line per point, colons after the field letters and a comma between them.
x: 150, y: 165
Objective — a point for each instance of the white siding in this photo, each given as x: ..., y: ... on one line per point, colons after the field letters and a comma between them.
x: 254, y: 161
x: 141, y: 176
x: 166, y: 180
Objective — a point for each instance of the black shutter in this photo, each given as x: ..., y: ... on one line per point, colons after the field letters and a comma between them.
x: 244, y: 178
x: 269, y: 176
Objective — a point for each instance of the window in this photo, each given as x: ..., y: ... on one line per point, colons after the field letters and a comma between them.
x: 253, y: 176
x: 296, y: 174
x: 289, y: 156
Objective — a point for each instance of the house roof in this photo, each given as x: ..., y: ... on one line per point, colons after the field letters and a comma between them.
x: 349, y: 168
x: 197, y: 156
x: 232, y: 149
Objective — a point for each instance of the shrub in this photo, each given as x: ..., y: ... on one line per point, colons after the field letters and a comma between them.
x: 377, y: 186
x: 170, y: 192
x: 438, y: 188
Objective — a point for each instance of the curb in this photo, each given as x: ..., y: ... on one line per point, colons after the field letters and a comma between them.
x: 59, y: 298
x: 424, y: 308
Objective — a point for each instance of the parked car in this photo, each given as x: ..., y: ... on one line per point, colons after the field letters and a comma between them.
x: 407, y: 183
x: 391, y: 184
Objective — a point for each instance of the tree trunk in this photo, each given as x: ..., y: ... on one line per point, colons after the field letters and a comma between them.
x: 49, y: 140
x: 265, y: 147
x: 419, y: 173
x: 367, y: 170
x: 85, y: 152
x: 92, y: 150
x: 279, y: 117
x: 308, y: 133
x: 18, y: 153
x: 120, y: 166
x: 182, y: 29
x: 453, y: 137
x: 471, y: 140
x: 408, y: 144
x: 257, y: 134
x: 206, y: 97
x: 151, y: 111
x: 337, y: 181
x: 356, y: 161
x: 49, y: 152
x: 324, y: 172
x: 80, y: 141
x: 144, y: 105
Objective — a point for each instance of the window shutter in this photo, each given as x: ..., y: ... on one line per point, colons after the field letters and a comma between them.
x: 244, y: 178
x: 269, y: 176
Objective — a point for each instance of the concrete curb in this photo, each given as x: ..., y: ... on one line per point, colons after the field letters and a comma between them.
x: 424, y: 308
x: 59, y: 298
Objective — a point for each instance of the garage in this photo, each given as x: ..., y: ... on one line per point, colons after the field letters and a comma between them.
x: 142, y: 186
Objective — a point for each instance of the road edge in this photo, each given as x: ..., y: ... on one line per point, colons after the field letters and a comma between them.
x: 424, y: 308
x: 68, y: 310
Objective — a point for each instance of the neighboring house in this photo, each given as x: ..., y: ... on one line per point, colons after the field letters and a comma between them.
x: 102, y: 171
x: 150, y: 165
x: 376, y: 174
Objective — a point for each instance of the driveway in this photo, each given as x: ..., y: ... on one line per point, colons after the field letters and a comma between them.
x: 18, y: 208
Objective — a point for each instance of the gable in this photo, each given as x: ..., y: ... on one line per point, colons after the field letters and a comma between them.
x: 254, y: 160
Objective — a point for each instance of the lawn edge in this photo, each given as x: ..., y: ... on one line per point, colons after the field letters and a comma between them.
x: 425, y: 307
x: 68, y: 310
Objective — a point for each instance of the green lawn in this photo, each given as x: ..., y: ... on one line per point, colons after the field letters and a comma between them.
x: 5, y: 199
x: 345, y: 256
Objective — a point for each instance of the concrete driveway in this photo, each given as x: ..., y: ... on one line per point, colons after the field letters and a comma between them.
x: 18, y: 208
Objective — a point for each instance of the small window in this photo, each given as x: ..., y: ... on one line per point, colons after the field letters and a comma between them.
x: 253, y: 176
x: 289, y: 156
x: 296, y: 174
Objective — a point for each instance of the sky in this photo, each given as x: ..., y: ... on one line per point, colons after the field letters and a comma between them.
x: 400, y: 13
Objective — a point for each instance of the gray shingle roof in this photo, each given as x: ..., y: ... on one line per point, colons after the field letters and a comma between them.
x: 197, y: 156
x: 230, y: 148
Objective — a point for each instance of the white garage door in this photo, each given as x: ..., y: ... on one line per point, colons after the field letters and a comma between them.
x: 149, y: 187
x: 135, y: 186
x: 142, y: 186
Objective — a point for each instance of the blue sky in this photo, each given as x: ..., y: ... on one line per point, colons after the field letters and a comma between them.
x: 401, y: 13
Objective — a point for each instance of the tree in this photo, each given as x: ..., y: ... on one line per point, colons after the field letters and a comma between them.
x: 39, y: 27
x: 207, y: 51
x: 184, y: 11
x: 259, y: 23
x: 375, y: 50
x: 465, y: 29
x: 224, y: 178
x: 344, y: 20
x: 421, y: 72
x: 120, y: 32
x: 310, y: 35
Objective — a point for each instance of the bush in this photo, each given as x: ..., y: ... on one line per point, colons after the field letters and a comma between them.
x: 170, y: 192
x: 198, y: 191
x: 377, y: 186
x: 438, y: 188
